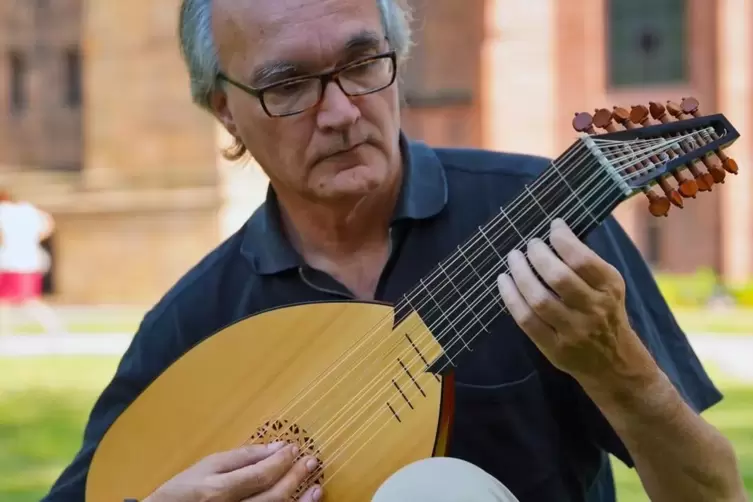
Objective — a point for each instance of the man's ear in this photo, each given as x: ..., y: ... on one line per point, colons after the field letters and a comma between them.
x: 221, y: 110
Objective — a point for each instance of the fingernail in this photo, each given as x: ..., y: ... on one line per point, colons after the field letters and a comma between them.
x: 311, y: 464
x: 317, y: 494
x: 276, y: 445
x: 295, y: 450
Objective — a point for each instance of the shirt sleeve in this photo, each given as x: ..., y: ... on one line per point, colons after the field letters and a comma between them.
x: 157, y: 343
x: 652, y: 319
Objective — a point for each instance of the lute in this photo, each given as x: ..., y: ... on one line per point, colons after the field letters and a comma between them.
x: 368, y: 387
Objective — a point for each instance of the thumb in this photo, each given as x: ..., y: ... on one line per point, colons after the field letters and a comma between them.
x: 238, y: 458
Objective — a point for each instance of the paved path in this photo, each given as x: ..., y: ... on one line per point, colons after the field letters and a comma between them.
x: 733, y: 354
x: 41, y: 345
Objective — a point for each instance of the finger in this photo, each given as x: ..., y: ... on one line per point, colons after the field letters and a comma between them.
x: 313, y: 494
x: 302, y: 473
x: 240, y: 457
x: 570, y: 287
x: 579, y: 257
x: 254, y: 479
x: 543, y: 303
x: 540, y: 333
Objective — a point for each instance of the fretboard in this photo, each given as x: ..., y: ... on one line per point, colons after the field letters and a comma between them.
x: 459, y: 299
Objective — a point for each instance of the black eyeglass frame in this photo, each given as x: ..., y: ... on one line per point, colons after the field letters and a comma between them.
x: 324, y: 77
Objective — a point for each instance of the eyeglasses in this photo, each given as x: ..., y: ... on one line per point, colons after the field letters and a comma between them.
x: 296, y: 95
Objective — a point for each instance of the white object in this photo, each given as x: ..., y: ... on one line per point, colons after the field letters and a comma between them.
x: 21, y: 225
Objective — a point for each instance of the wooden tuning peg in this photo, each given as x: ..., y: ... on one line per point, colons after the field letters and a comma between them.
x: 635, y: 119
x: 657, y: 205
x: 639, y: 116
x: 690, y: 106
x: 704, y: 179
x: 583, y: 122
x: 712, y: 162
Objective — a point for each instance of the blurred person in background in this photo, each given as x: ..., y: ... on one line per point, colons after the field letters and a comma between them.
x: 24, y: 262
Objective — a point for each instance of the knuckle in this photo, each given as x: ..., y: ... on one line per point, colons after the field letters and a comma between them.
x: 210, y: 459
x: 540, y: 302
x: 527, y: 320
x: 559, y: 279
x: 211, y: 491
x: 582, y: 264
x: 261, y: 478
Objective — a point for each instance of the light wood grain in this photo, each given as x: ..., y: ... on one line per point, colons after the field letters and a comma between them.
x: 323, y: 367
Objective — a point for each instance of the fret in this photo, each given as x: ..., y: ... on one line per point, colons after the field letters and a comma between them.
x: 575, y: 194
x: 470, y: 264
x: 439, y: 329
x: 491, y: 244
x: 536, y: 201
x: 463, y: 298
x: 485, y: 283
x: 461, y: 294
x: 512, y: 225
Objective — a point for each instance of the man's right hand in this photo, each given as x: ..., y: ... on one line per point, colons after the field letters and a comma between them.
x: 255, y: 473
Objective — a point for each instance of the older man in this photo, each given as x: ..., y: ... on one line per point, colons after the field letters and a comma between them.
x: 356, y: 210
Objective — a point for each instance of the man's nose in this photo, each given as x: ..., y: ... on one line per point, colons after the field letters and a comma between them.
x: 336, y: 111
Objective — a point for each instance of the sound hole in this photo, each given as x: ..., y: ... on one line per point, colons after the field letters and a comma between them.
x: 284, y: 430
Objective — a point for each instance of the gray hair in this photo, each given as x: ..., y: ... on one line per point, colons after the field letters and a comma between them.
x: 200, y: 53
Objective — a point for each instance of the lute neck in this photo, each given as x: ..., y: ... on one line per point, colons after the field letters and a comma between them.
x: 459, y: 299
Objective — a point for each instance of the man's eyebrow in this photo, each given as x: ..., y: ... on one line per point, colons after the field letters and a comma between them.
x: 273, y: 71
x: 361, y: 42
x: 277, y: 70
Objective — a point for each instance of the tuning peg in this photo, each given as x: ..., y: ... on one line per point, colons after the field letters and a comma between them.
x: 712, y: 162
x: 704, y: 179
x: 638, y: 116
x: 691, y: 106
x: 583, y: 122
x: 657, y: 205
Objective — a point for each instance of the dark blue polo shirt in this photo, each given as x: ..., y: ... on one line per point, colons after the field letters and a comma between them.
x: 516, y: 416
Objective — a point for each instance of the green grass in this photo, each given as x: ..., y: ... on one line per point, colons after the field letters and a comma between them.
x: 44, y: 404
x: 732, y: 322
x: 82, y: 328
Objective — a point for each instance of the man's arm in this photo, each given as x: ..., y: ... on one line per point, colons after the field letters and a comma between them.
x: 677, y: 454
x: 583, y: 328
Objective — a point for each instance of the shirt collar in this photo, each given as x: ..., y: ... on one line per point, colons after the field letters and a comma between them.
x: 423, y: 195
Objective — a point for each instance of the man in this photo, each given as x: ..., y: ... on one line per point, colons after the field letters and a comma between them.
x: 356, y: 210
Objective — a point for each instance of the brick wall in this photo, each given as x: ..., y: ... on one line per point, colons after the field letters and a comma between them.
x: 47, y: 132
x: 498, y: 74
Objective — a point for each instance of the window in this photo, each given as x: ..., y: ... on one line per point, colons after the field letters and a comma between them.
x: 647, y: 42
x: 17, y: 69
x: 73, y: 77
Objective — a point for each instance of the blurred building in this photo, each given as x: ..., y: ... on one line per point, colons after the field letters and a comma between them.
x: 96, y: 123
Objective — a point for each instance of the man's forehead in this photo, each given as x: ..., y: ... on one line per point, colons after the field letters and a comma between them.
x: 291, y: 28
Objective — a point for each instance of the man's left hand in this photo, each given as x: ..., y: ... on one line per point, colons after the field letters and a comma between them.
x: 582, y: 328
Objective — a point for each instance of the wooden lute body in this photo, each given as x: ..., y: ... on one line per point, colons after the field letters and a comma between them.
x: 277, y: 373
x: 366, y: 387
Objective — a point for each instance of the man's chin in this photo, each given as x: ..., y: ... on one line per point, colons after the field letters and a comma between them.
x: 356, y: 181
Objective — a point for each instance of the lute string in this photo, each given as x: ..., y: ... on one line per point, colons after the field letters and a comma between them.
x: 415, y: 293
x: 440, y: 336
x: 494, y: 303
x: 632, y: 158
x: 389, y: 418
